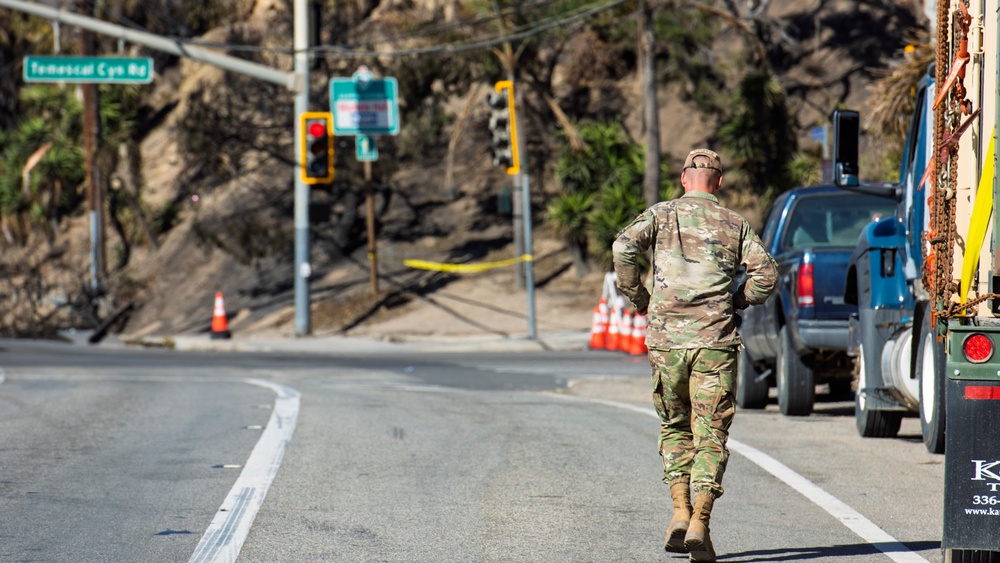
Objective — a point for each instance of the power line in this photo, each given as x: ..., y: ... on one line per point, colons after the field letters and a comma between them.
x: 521, y: 32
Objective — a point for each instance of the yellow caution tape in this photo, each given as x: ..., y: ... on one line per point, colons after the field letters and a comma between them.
x: 981, y: 212
x: 466, y: 268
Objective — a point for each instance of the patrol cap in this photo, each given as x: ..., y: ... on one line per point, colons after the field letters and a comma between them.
x: 703, y: 158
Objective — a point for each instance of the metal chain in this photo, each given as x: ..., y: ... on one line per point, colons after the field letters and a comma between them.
x: 939, y: 258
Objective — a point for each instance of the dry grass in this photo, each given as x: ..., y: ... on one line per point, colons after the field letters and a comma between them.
x: 892, y: 94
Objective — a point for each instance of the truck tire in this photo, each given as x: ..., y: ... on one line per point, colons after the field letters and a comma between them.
x: 930, y: 369
x: 872, y: 423
x: 750, y: 394
x: 796, y: 387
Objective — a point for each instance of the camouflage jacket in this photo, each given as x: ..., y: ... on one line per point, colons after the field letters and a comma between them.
x: 698, y: 245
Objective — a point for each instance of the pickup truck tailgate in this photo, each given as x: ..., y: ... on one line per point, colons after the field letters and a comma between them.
x: 829, y: 278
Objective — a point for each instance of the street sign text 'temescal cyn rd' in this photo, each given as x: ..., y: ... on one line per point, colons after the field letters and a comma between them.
x: 109, y: 70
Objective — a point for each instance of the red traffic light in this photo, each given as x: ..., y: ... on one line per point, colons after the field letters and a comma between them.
x: 317, y: 129
x: 316, y: 146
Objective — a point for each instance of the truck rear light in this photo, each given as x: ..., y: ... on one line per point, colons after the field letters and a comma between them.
x: 977, y: 348
x: 982, y: 392
x: 806, y: 290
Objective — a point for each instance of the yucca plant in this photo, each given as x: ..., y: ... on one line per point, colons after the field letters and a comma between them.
x: 602, y: 191
x: 570, y: 214
x: 52, y: 116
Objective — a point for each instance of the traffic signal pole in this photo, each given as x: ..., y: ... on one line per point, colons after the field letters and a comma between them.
x: 300, y: 13
x: 290, y: 80
x: 508, y: 151
x: 529, y: 262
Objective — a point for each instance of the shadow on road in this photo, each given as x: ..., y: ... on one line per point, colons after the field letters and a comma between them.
x: 825, y: 553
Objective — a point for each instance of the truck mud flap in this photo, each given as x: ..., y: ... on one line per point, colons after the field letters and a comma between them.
x: 972, y: 469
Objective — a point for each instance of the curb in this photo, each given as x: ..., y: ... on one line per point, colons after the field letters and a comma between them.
x: 339, y: 345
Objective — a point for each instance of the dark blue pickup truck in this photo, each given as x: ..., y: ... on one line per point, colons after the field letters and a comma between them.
x: 798, y: 337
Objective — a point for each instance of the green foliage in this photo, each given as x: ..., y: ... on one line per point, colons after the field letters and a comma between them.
x: 49, y: 115
x: 569, y: 212
x: 805, y: 170
x: 602, y: 187
x: 759, y: 134
x: 166, y: 217
x: 682, y: 37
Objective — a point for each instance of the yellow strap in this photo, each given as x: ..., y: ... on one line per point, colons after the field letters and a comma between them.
x: 981, y: 212
x: 465, y: 268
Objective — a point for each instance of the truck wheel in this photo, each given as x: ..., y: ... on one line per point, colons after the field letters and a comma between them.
x: 872, y: 423
x: 796, y: 388
x: 750, y: 394
x: 930, y: 368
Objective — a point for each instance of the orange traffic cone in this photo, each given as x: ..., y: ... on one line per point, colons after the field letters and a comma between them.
x: 613, y: 341
x: 599, y: 326
x: 640, y: 328
x: 220, y: 324
x: 625, y: 342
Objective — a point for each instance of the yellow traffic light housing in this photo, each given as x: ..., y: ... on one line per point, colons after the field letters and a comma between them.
x: 316, y: 160
x: 503, y: 125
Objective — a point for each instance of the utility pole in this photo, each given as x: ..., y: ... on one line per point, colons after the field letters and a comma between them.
x: 651, y: 116
x: 91, y: 168
x: 303, y: 269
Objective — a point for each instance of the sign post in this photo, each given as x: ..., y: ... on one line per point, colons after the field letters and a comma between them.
x: 366, y: 107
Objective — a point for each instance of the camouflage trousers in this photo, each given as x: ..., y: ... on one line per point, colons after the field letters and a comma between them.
x: 694, y: 394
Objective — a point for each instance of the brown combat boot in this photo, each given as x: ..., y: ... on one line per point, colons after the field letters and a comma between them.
x: 697, y: 540
x: 681, y: 493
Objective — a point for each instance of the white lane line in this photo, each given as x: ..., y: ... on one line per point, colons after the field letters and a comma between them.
x: 224, y: 538
x: 852, y: 519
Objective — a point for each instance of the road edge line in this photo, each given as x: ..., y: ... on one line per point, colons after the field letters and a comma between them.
x: 224, y: 537
x: 850, y: 518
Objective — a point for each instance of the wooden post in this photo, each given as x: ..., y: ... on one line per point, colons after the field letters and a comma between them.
x: 91, y: 169
x: 372, y: 248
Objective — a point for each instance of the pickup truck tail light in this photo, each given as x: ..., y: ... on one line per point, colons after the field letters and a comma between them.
x: 805, y: 286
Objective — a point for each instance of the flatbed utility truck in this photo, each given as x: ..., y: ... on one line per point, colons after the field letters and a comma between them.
x: 927, y: 280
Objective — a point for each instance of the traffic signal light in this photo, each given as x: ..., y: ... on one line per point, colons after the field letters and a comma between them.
x: 316, y: 161
x: 503, y: 127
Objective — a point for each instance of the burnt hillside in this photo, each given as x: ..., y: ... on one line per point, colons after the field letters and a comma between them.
x: 200, y: 193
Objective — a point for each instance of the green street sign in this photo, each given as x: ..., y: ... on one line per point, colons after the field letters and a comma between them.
x: 105, y: 70
x: 363, y: 105
x: 366, y: 148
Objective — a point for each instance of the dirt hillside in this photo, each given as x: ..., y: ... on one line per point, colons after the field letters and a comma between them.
x: 233, y: 203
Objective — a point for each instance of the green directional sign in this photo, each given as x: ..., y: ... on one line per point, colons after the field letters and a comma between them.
x: 106, y: 70
x: 363, y: 105
x: 366, y: 148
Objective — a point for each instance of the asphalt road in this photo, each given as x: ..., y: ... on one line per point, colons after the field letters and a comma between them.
x: 153, y: 455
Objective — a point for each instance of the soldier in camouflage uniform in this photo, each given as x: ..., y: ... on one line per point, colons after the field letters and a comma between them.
x: 698, y: 245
